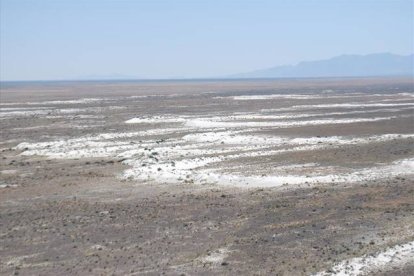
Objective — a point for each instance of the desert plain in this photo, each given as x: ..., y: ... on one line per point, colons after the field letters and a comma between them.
x: 208, y: 177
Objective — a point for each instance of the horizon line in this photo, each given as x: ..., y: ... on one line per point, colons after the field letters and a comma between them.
x: 212, y: 78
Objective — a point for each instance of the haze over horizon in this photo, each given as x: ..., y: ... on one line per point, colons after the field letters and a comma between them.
x: 57, y: 40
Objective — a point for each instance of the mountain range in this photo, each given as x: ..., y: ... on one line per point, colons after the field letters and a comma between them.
x: 382, y: 64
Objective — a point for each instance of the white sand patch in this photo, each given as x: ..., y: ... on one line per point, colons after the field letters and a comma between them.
x: 168, y: 172
x: 64, y: 150
x: 207, y: 123
x: 49, y: 112
x: 275, y: 96
x: 59, y: 102
x: 327, y: 114
x: 251, y: 117
x: 97, y: 246
x: 59, y: 125
x: 394, y: 257
x: 2, y: 186
x: 8, y: 171
x: 232, y: 137
x: 294, y: 166
x: 397, y: 168
x: 4, y: 109
x: 26, y: 113
x: 257, y: 141
x: 296, y: 108
x: 115, y: 107
x: 188, y: 162
x: 347, y: 140
x: 70, y: 110
x: 85, y: 116
x: 406, y: 94
x: 155, y: 96
x: 352, y: 105
x: 39, y: 127
x: 138, y: 97
x: 155, y: 120
x: 294, y: 96
x: 99, y: 137
x: 326, y: 95
x: 77, y: 101
x: 189, y: 156
x: 395, y: 100
x: 296, y: 115
x: 252, y: 120
x: 101, y: 145
x: 19, y: 260
x: 96, y: 109
x: 199, y: 140
x: 214, y: 257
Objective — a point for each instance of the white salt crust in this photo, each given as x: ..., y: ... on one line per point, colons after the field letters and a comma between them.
x: 235, y: 121
x: 393, y: 257
x: 311, y: 96
x: 61, y: 102
x: 214, y: 257
x: 155, y: 119
x: 49, y: 112
x: 187, y: 158
x: 198, y: 149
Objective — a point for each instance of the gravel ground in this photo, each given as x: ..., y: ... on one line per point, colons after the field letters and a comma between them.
x: 207, y: 178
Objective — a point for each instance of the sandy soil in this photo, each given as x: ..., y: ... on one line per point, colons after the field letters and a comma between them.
x: 291, y: 177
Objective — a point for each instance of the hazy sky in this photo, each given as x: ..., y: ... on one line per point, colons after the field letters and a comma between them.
x: 67, y: 39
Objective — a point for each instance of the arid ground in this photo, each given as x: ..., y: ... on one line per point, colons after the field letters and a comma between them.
x: 269, y: 177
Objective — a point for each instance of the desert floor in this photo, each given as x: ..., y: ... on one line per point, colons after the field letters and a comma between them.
x: 287, y: 177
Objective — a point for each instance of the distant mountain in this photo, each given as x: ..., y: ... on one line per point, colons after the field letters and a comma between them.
x: 383, y: 64
x: 106, y: 77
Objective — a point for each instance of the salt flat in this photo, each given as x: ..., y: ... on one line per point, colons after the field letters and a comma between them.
x: 294, y: 177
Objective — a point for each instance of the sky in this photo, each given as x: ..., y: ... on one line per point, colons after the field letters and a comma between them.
x: 81, y: 39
